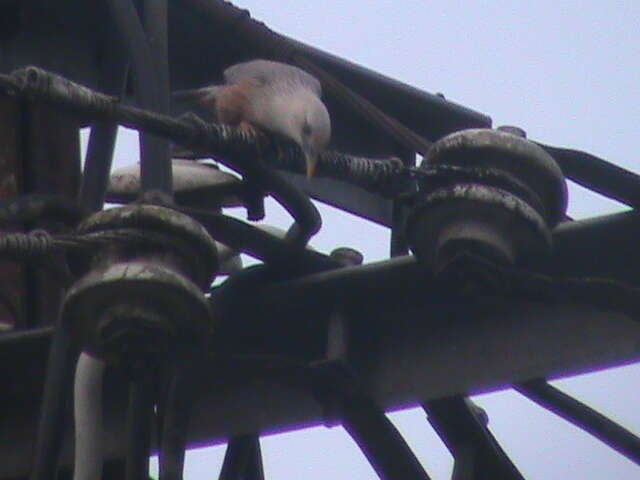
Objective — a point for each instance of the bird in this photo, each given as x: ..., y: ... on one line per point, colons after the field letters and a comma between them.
x: 274, y: 96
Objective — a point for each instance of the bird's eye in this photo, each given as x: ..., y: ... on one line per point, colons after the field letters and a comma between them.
x: 306, y: 129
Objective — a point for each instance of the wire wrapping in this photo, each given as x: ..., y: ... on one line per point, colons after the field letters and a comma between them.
x: 22, y: 246
x: 38, y: 243
x: 384, y: 176
x: 387, y: 177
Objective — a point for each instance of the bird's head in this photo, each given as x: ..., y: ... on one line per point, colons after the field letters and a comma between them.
x: 315, y: 134
x: 309, y: 126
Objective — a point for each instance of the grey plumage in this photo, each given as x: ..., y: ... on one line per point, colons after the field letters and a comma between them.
x: 272, y: 74
x: 274, y: 96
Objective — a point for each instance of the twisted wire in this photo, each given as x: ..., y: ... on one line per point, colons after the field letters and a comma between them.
x: 384, y: 176
x: 39, y: 243
x: 31, y: 82
x: 21, y: 246
x: 387, y: 177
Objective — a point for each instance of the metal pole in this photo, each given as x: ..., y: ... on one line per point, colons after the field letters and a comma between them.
x: 380, y: 442
x: 57, y: 389
x: 156, y: 27
x: 103, y: 135
x: 88, y: 413
x: 175, y: 422
x: 243, y: 460
x: 139, y: 429
x: 462, y: 426
x: 154, y: 151
x: 399, y: 244
x: 576, y: 412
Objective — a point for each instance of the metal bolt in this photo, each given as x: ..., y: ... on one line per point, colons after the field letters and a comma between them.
x: 517, y: 131
x: 347, y: 257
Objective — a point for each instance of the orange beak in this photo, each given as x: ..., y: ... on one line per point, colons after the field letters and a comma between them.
x: 311, y: 168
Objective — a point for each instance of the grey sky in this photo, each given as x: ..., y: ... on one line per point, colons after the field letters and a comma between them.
x: 566, y: 72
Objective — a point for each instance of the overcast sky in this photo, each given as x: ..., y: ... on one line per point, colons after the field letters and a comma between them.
x: 566, y: 72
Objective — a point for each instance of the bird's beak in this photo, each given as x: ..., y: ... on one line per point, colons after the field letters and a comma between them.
x: 311, y: 165
x: 310, y: 156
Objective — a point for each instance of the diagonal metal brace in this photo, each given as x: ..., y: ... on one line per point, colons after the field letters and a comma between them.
x: 243, y: 459
x: 582, y: 416
x: 462, y: 426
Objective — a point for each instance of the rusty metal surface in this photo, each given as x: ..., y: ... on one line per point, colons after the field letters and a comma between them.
x: 53, y: 152
x: 51, y: 166
x: 40, y: 155
x: 12, y: 274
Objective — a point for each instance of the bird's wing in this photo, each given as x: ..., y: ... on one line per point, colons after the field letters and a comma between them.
x: 267, y: 73
x: 204, y: 93
x: 200, y: 101
x: 256, y: 73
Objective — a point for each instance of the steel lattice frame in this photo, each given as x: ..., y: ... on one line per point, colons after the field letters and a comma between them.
x: 307, y: 368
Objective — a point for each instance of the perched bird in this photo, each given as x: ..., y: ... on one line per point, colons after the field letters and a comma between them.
x: 274, y: 96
